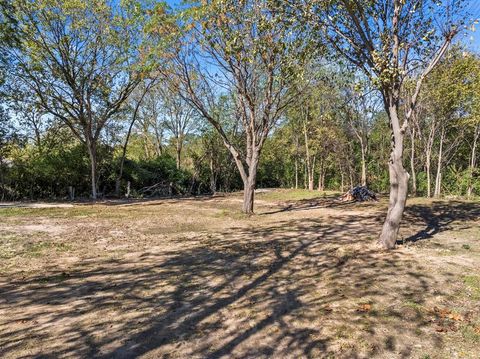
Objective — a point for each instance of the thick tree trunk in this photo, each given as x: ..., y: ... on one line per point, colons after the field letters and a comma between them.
x: 248, y: 195
x: 438, y: 177
x: 398, y: 184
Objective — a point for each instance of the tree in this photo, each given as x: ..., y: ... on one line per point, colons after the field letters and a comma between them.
x: 388, y: 41
x: 179, y: 118
x: 81, y: 60
x: 246, y: 51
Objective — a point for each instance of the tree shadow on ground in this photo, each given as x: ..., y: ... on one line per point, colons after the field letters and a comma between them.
x: 439, y: 217
x: 298, y: 288
x: 330, y: 201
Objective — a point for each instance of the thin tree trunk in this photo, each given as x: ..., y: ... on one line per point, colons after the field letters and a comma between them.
x: 412, y: 162
x: 179, y: 153
x: 296, y: 172
x: 427, y: 169
x: 428, y: 158
x: 398, y: 184
x: 342, y: 181
x: 92, y: 151
x: 438, y: 178
x: 364, y: 166
x: 473, y: 161
x: 213, y: 182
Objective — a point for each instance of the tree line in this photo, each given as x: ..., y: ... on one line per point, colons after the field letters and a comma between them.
x: 108, y: 98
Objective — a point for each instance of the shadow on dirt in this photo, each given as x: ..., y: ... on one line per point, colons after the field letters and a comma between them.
x: 299, y: 288
x: 439, y: 217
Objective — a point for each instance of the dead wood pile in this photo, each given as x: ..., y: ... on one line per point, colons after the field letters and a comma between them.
x: 358, y: 194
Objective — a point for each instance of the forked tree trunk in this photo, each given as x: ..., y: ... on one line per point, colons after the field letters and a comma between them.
x: 398, y: 184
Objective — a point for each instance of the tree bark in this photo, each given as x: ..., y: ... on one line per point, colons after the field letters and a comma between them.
x: 412, y: 162
x: 438, y: 178
x: 473, y: 161
x: 213, y: 181
x: 179, y: 153
x: 364, y: 164
x: 92, y: 151
x: 248, y: 196
x: 398, y: 183
x: 296, y: 172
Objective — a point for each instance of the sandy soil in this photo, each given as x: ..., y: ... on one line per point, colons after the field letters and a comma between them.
x: 194, y: 278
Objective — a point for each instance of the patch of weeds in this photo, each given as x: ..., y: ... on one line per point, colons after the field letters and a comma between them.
x: 466, y: 246
x: 470, y: 334
x: 414, y: 305
x: 38, y: 249
x: 425, y: 356
x: 473, y: 284
x: 8, y: 246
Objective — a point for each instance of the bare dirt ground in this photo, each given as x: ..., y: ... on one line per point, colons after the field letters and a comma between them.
x: 194, y: 278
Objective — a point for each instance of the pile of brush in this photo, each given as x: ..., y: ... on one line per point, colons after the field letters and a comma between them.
x: 358, y: 194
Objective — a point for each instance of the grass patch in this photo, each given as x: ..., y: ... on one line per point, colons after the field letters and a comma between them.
x: 470, y: 334
x: 473, y: 284
x: 293, y: 195
x: 38, y: 249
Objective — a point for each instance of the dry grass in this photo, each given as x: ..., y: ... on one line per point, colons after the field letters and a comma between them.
x: 194, y: 278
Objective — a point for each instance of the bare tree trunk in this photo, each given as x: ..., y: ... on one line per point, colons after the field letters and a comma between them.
x: 213, y: 182
x: 296, y: 172
x: 427, y: 169
x: 428, y: 158
x: 321, y: 177
x: 249, y: 184
x: 342, y: 181
x: 92, y: 151
x: 248, y: 196
x: 473, y: 160
x: 364, y: 165
x: 179, y: 153
x: 438, y: 178
x: 398, y: 183
x: 412, y: 162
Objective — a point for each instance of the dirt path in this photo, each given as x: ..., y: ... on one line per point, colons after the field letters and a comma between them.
x: 196, y: 279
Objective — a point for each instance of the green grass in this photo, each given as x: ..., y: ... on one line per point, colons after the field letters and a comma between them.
x: 38, y: 249
x: 293, y: 195
x: 473, y: 284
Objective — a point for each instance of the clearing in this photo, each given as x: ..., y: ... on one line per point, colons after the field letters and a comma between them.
x: 194, y: 278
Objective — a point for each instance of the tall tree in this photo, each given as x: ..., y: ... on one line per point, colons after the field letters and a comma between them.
x: 81, y: 60
x: 388, y: 40
x: 248, y: 51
